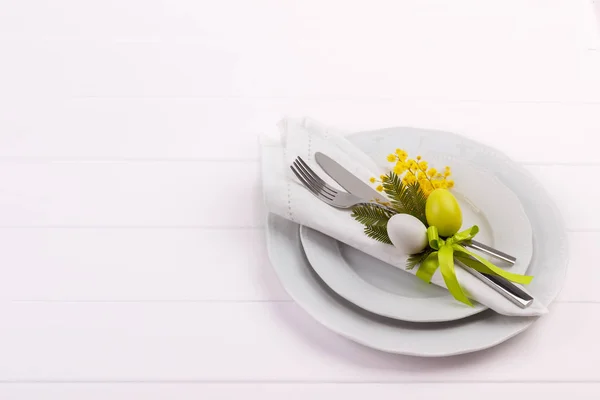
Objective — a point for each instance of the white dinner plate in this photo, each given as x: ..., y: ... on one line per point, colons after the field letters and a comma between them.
x: 391, y: 292
x: 480, y: 331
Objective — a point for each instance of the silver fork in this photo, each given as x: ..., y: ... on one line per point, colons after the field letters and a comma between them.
x: 340, y: 199
x: 323, y: 191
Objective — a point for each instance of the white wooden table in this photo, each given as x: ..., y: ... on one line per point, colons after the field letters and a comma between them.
x: 132, y: 251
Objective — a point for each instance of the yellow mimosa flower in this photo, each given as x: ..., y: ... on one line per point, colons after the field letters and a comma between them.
x: 399, y: 168
x: 402, y: 155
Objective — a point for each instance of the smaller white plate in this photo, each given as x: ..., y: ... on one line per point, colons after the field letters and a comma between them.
x: 390, y: 291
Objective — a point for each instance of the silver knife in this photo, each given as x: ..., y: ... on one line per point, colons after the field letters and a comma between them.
x: 363, y: 190
x: 347, y: 180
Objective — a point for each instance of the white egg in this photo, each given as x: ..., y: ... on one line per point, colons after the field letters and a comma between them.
x: 407, y: 233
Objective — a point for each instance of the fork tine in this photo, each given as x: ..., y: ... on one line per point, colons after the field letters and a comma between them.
x: 301, y: 178
x: 317, y: 191
x: 312, y: 189
x: 301, y: 165
x: 315, y: 175
x: 311, y: 180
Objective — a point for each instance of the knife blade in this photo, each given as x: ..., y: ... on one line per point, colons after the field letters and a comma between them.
x: 346, y: 179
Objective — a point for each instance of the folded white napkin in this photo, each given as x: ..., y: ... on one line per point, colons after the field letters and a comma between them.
x: 286, y: 197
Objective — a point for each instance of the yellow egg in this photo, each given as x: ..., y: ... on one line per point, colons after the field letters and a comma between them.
x: 443, y: 212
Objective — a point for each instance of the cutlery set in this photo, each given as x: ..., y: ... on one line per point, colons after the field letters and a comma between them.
x: 359, y: 192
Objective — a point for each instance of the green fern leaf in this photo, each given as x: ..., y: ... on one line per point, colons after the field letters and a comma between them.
x: 415, y: 201
x: 406, y: 199
x: 416, y: 259
x: 378, y: 233
x: 371, y: 214
x: 393, y: 187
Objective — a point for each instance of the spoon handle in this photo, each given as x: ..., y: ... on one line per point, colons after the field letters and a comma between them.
x: 509, y: 290
x: 491, y: 251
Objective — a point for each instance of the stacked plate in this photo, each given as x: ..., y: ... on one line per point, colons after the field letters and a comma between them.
x: 380, y: 306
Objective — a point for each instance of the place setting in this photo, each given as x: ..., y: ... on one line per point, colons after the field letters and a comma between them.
x: 407, y: 240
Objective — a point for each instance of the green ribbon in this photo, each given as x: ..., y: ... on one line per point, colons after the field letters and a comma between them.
x: 443, y: 258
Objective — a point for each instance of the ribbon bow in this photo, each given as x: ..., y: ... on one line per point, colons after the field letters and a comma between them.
x: 443, y: 257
